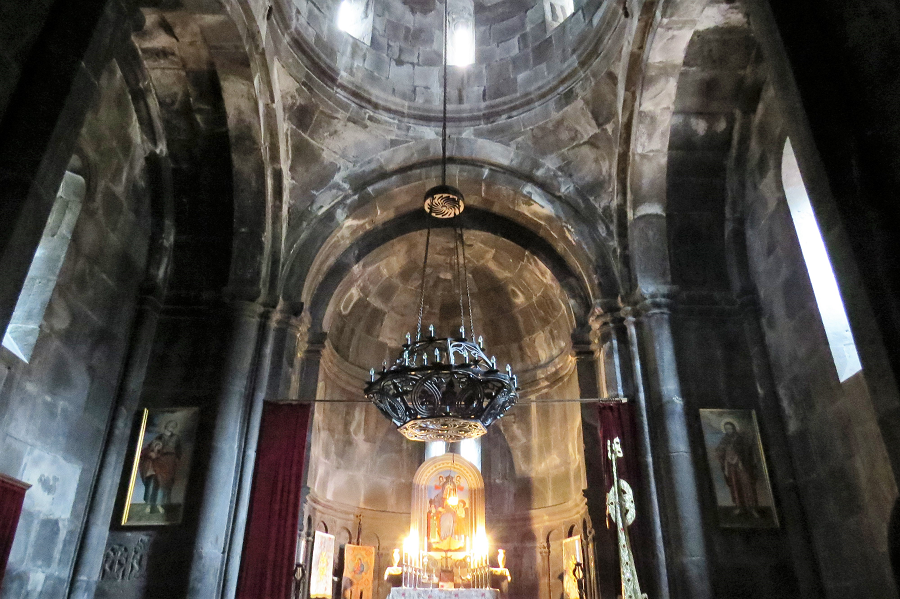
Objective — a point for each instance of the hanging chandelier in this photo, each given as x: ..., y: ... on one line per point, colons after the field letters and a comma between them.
x: 444, y: 388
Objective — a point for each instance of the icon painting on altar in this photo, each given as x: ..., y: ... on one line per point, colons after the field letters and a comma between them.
x: 449, y: 522
x: 359, y: 571
x: 322, y: 566
x: 157, y: 487
x: 738, y: 469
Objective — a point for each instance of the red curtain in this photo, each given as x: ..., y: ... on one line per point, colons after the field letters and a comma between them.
x: 12, y: 494
x: 617, y: 420
x: 267, y: 565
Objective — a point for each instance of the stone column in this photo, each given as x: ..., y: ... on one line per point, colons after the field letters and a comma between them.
x: 655, y: 582
x: 682, y: 517
x: 589, y: 539
x: 620, y: 377
x: 216, y: 520
x: 616, y: 377
x: 544, y: 551
x: 89, y: 559
x: 601, y: 556
x: 304, y: 387
x: 278, y: 347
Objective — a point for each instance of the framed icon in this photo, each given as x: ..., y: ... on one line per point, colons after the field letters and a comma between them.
x: 737, y: 467
x: 158, y: 482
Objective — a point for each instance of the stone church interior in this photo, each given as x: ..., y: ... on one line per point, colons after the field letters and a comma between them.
x: 449, y: 299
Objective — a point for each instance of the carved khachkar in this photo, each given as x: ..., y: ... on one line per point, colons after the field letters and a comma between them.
x: 621, y: 509
x: 122, y: 562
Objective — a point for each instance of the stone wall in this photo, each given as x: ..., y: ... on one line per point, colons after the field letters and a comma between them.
x: 55, y: 410
x: 717, y: 371
x: 184, y: 370
x: 842, y: 467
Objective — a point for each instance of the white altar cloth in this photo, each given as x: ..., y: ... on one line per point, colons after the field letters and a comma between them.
x: 401, y: 593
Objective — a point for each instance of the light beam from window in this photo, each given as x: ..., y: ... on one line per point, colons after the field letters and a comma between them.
x: 24, y: 326
x: 821, y: 273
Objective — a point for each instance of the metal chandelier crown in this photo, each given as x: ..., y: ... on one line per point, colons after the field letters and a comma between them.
x: 444, y: 389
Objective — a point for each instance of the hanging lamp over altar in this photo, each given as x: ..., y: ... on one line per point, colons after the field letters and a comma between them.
x: 444, y: 388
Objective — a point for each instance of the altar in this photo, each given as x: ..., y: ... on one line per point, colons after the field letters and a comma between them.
x: 403, y: 593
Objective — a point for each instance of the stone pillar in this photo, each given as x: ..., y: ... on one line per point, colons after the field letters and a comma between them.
x: 616, y: 371
x: 306, y: 369
x: 89, y: 559
x: 304, y: 387
x: 621, y: 377
x: 588, y: 539
x: 546, y: 586
x: 584, y: 347
x: 655, y: 582
x: 278, y: 347
x: 682, y: 517
x: 216, y: 520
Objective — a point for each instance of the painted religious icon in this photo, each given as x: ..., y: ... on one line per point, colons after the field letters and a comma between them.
x: 162, y: 464
x: 572, y: 562
x: 449, y: 515
x: 359, y: 572
x: 738, y: 469
x: 320, y: 583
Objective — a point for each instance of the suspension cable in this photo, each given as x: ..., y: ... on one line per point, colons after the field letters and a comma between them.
x: 462, y: 244
x: 424, y: 267
x: 459, y: 277
x: 444, y: 120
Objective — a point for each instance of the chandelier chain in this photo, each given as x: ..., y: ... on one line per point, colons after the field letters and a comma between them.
x: 465, y: 274
x: 422, y: 286
x: 444, y: 120
x: 459, y: 277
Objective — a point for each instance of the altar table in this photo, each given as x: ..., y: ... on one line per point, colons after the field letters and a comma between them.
x: 401, y: 593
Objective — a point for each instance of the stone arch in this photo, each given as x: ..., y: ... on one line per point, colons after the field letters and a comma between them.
x: 238, y: 52
x: 373, y: 540
x: 554, y: 202
x: 716, y: 97
x: 159, y: 170
x: 477, y: 219
x: 213, y: 95
x: 344, y: 536
x: 671, y: 29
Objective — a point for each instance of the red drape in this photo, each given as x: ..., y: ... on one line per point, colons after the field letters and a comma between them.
x: 267, y: 564
x: 12, y: 495
x: 617, y: 420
